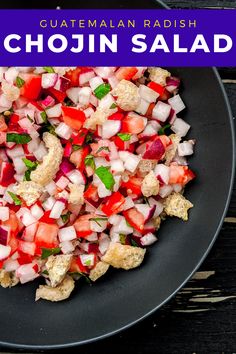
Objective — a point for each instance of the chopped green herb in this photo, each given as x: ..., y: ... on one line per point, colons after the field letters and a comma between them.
x: 45, y: 272
x: 77, y: 147
x: 23, y: 138
x: 88, y: 262
x: 122, y: 239
x: 44, y: 116
x: 106, y: 148
x: 65, y: 217
x: 46, y: 252
x: 97, y: 220
x: 114, y: 105
x: 27, y: 176
x: 49, y: 69
x: 19, y: 82
x: 105, y: 176
x: 162, y: 130
x: 133, y: 243
x: 124, y: 136
x: 89, y: 138
x: 89, y: 161
x: 102, y: 90
x: 68, y: 102
x: 146, y: 200
x: 30, y: 119
x: 15, y: 199
x: 30, y: 164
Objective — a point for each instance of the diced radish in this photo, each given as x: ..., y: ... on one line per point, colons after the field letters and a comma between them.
x: 161, y: 111
x: 51, y: 188
x: 180, y: 127
x: 64, y: 131
x: 98, y: 225
x: 105, y: 72
x: 25, y: 216
x: 113, y: 81
x: 176, y: 103
x: 146, y: 210
x: 104, y: 242
x: 159, y: 206
x: 85, y: 77
x: 4, y: 252
x: 94, y: 100
x: 142, y: 107
x: 26, y: 273
x: 76, y: 177
x: 110, y: 128
x: 93, y: 237
x: 177, y: 187
x: 128, y: 203
x: 185, y: 148
x: 131, y: 161
x: 67, y: 234
x: 48, y: 203
x: 162, y: 173
x: 49, y: 80
x: 88, y: 112
x: 4, y: 235
x: 84, y: 95
x: 30, y: 232
x: 15, y: 152
x: 62, y: 84
x: 62, y: 182
x: 165, y: 190
x: 115, y: 219
x: 67, y: 247
x: 48, y: 102
x: 27, y: 247
x: 103, y: 191
x: 32, y: 146
x: 57, y: 210
x: 40, y: 152
x: 172, y: 83
x: 95, y: 82
x: 154, y: 150
x: 117, y: 166
x: 19, y: 165
x: 87, y: 259
x: 122, y: 227
x: 73, y: 94
x: 54, y: 111
x: 10, y: 74
x: 4, y: 213
x: 140, y: 72
x: 10, y: 265
x: 148, y: 94
x: 148, y: 239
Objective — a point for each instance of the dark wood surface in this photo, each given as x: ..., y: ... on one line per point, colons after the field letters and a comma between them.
x: 202, y: 316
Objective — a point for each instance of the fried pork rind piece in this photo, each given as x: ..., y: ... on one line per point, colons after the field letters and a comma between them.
x: 99, y: 270
x: 97, y: 118
x: 57, y: 267
x: 29, y: 191
x: 158, y: 75
x: 171, y: 150
x: 177, y: 205
x: 124, y: 256
x: 150, y: 185
x: 8, y: 279
x: 46, y: 171
x: 127, y: 94
x: 59, y: 293
x: 76, y: 194
x: 145, y: 166
x: 11, y: 92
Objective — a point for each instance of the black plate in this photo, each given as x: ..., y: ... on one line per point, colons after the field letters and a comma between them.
x: 123, y: 298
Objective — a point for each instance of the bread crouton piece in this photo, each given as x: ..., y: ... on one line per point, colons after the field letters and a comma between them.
x: 158, y: 75
x: 29, y: 191
x: 150, y: 185
x: 8, y: 279
x: 124, y: 256
x: 59, y: 293
x: 57, y: 267
x: 177, y: 205
x: 47, y: 170
x: 99, y: 270
x: 171, y: 150
x: 127, y: 95
x: 76, y: 194
x: 145, y: 166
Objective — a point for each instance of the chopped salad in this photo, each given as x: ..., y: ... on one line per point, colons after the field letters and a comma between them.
x: 92, y: 160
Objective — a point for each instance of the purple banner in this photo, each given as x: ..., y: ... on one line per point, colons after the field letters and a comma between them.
x: 117, y: 37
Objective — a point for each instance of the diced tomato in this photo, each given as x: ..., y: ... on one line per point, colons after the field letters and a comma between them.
x: 126, y: 72
x: 37, y: 105
x: 3, y: 126
x: 73, y: 76
x: 32, y: 86
x: 68, y: 149
x: 77, y: 266
x: 79, y: 138
x: 24, y: 258
x: 13, y: 242
x: 27, y: 247
x: 45, y: 218
x: 156, y: 87
x: 1, y: 264
x: 58, y: 95
x: 149, y: 110
x: 12, y: 222
x: 82, y: 225
x: 113, y: 204
x: 116, y: 116
x: 133, y: 123
x: 134, y: 218
x: 46, y: 234
x: 36, y: 268
x: 73, y: 117
x: 91, y: 193
x: 165, y: 96
x: 133, y: 186
x: 180, y: 174
x: 6, y: 174
x: 78, y: 156
x: 13, y: 122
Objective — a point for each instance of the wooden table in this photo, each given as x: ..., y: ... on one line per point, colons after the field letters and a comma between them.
x: 202, y: 316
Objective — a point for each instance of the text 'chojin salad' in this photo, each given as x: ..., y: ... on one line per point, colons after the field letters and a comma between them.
x: 92, y: 160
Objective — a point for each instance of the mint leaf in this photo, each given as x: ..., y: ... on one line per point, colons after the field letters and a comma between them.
x: 27, y: 176
x: 162, y: 130
x: 19, y: 82
x: 15, y: 199
x: 97, y: 220
x: 30, y: 164
x: 89, y: 138
x: 65, y: 217
x: 106, y: 148
x: 113, y: 105
x: 89, y: 161
x: 102, y: 90
x: 124, y: 136
x: 46, y: 252
x: 122, y: 239
x: 105, y: 176
x: 49, y: 69
x: 133, y: 243
x: 77, y: 147
x: 30, y: 119
x: 23, y: 138
x: 44, y: 116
